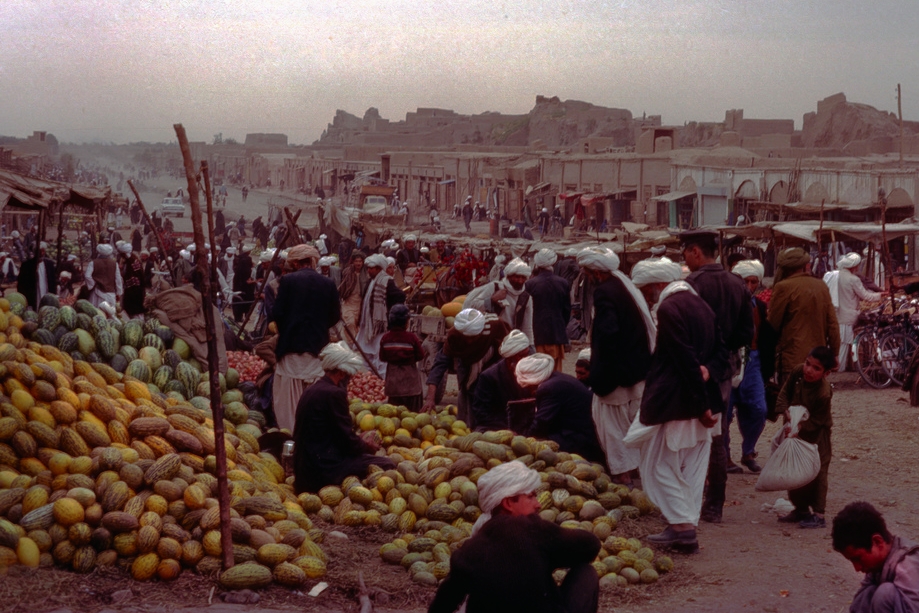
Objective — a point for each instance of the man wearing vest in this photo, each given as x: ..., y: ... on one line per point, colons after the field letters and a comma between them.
x: 103, y: 279
x: 507, y: 298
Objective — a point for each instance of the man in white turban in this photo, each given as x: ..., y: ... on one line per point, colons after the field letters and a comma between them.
x: 508, y: 562
x: 562, y: 407
x: 382, y: 294
x: 507, y: 298
x: 749, y: 394
x: 471, y: 347
x: 409, y: 255
x: 680, y: 403
x: 497, y: 270
x: 621, y: 342
x: 582, y: 367
x: 103, y: 278
x: 326, y: 448
x: 327, y: 268
x: 551, y: 297
x: 305, y: 307
x: 850, y: 291
x: 497, y: 386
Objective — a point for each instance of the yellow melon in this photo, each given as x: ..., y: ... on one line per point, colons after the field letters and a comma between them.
x: 451, y: 309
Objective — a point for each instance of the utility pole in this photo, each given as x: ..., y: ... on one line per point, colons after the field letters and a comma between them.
x: 900, y: 113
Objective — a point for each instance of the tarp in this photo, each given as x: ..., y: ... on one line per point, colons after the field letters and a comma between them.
x: 589, y: 199
x: 671, y: 196
x: 808, y: 230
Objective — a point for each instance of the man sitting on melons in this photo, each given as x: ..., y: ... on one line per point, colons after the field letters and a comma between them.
x: 508, y: 562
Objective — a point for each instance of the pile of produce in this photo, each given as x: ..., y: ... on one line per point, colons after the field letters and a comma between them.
x: 448, y: 311
x: 431, y: 497
x: 247, y: 365
x: 113, y: 463
x: 366, y: 387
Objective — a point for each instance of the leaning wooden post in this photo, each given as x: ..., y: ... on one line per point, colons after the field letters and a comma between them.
x: 223, y: 495
x: 154, y: 229
x: 60, y: 235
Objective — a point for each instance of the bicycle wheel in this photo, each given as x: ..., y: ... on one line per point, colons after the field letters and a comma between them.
x: 867, y: 362
x: 895, y: 351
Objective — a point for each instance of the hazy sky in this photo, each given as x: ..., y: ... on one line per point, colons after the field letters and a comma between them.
x: 126, y: 70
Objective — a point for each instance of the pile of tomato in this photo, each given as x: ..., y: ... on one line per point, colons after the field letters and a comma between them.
x: 366, y: 387
x: 247, y: 365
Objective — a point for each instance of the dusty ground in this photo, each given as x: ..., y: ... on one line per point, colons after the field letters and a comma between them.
x: 749, y: 562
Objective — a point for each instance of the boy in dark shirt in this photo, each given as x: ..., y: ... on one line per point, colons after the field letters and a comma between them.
x: 402, y: 350
x: 807, y: 386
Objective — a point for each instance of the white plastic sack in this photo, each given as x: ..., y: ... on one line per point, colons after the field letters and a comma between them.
x: 639, y: 433
x: 793, y: 463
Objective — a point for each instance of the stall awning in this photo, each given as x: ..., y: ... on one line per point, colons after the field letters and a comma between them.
x: 447, y: 182
x: 571, y: 195
x: 589, y: 199
x: 671, y: 196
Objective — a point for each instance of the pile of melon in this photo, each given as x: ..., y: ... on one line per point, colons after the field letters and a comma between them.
x: 431, y: 499
x: 448, y: 311
x: 100, y: 468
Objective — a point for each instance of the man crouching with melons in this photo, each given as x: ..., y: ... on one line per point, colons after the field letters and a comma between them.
x: 508, y: 562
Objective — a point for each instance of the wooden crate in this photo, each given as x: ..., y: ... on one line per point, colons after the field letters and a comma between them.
x: 430, y: 326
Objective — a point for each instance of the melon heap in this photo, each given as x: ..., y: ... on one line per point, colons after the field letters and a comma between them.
x: 111, y: 461
x: 430, y: 499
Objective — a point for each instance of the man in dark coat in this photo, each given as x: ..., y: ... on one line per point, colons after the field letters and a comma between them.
x: 497, y: 385
x: 681, y: 402
x: 220, y: 223
x: 244, y: 284
x: 37, y: 277
x: 132, y: 279
x: 551, y: 307
x: 562, y: 407
x: 326, y: 448
x: 409, y: 255
x: 729, y: 298
x: 620, y: 354
x: 508, y: 563
x: 307, y: 305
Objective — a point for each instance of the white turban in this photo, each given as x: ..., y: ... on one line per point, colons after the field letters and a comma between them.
x: 545, y: 258
x: 655, y: 271
x: 503, y: 481
x: 584, y: 355
x: 231, y: 250
x: 125, y: 248
x: 338, y: 356
x: 500, y: 259
x: 517, y: 267
x: 849, y: 260
x: 265, y: 256
x: 191, y: 248
x: 750, y: 268
x: 326, y: 261
x: 534, y: 369
x: 376, y: 261
x: 598, y: 258
x: 15, y: 234
x: 514, y: 343
x: 248, y: 248
x: 658, y: 250
x: 469, y: 322
x: 572, y: 252
x: 425, y: 250
x: 43, y: 245
x: 104, y: 249
x: 185, y: 254
x: 409, y: 237
x: 390, y: 262
x: 284, y: 254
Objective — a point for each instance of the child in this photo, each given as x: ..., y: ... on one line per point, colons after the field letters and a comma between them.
x: 401, y: 350
x: 807, y: 386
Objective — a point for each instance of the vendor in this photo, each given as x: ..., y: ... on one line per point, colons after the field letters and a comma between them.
x: 326, y: 448
x: 508, y: 562
x: 497, y: 386
x: 563, y: 407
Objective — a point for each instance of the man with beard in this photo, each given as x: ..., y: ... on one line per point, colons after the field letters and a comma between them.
x: 507, y: 298
x: 728, y: 297
x: 243, y: 284
x: 409, y: 255
x: 132, y: 301
x: 551, y: 307
x: 353, y: 287
x: 326, y: 448
x: 382, y: 294
x: 622, y: 340
x: 497, y: 385
x: 37, y: 277
x: 302, y: 330
x: 680, y: 406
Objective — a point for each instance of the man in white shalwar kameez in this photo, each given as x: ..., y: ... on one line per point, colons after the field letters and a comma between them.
x: 374, y: 312
x: 103, y: 278
x: 622, y: 339
x: 850, y: 291
x: 680, y: 406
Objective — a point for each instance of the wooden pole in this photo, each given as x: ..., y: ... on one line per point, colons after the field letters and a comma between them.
x: 143, y: 210
x: 900, y: 113
x: 60, y: 236
x: 223, y: 491
x: 885, y: 255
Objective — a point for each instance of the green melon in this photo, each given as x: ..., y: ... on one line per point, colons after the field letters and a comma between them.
x: 132, y: 333
x: 139, y: 370
x: 174, y: 386
x: 151, y: 325
x: 119, y: 363
x: 201, y: 403
x: 152, y: 340
x: 86, y: 307
x: 30, y: 316
x: 162, y: 376
x: 49, y: 317
x: 99, y: 322
x: 171, y: 358
x: 188, y: 376
x: 84, y: 321
x: 50, y: 300
x: 85, y: 342
x: 181, y: 348
x: 43, y: 336
x: 129, y: 352
x: 151, y: 356
x: 105, y: 343
x: 165, y: 334
x: 68, y: 317
x: 232, y: 378
x: 17, y: 309
x: 236, y: 413
x: 59, y: 333
x: 16, y: 298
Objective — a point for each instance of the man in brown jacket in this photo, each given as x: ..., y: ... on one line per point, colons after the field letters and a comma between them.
x: 801, y: 311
